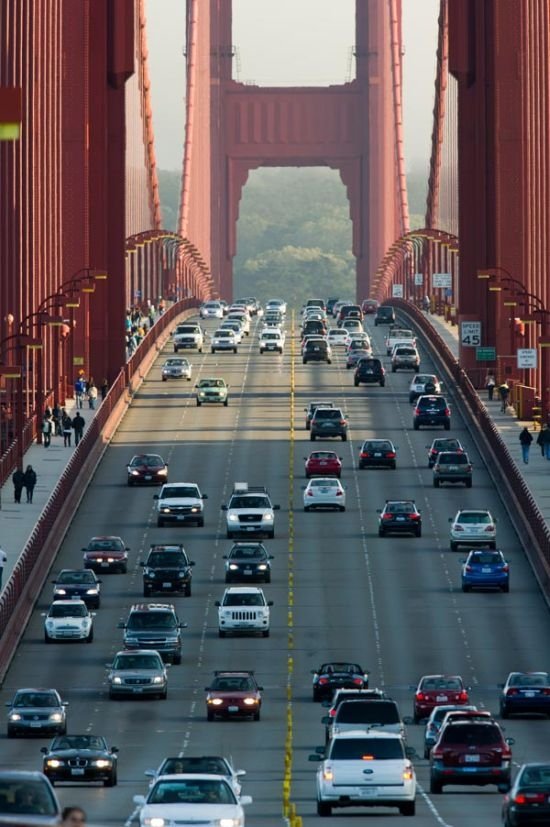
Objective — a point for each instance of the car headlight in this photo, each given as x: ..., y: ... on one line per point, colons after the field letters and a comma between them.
x: 60, y: 591
x: 250, y: 701
x: 158, y: 679
x: 162, y: 472
x: 165, y: 509
x: 262, y: 567
x: 230, y: 822
x: 233, y: 518
x: 134, y: 473
x: 50, y: 624
x: 102, y: 763
x: 181, y: 574
x: 56, y: 716
x: 54, y: 763
x: 154, y: 821
x: 117, y: 680
x: 91, y: 591
x: 328, y: 775
x: 84, y: 624
x: 201, y: 393
x: 195, y: 509
x: 233, y: 567
x: 267, y: 516
x: 215, y: 701
x: 14, y: 716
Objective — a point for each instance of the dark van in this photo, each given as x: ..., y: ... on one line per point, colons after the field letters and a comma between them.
x: 384, y: 315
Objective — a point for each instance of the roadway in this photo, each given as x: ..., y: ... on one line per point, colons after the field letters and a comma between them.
x: 392, y: 604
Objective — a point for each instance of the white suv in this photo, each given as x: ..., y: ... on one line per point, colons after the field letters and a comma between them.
x: 365, y: 769
x: 188, y: 335
x: 180, y: 502
x: 473, y: 527
x: 272, y: 339
x: 243, y: 609
x: 250, y: 511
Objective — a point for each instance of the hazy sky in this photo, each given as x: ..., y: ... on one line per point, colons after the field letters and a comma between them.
x: 289, y: 42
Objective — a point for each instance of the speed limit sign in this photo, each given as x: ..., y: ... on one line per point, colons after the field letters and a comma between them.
x: 470, y: 334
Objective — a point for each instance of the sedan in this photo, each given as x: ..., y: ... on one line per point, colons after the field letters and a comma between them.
x: 434, y: 690
x: 324, y: 492
x: 248, y: 561
x: 528, y: 802
x: 377, y: 453
x: 106, y: 554
x: 485, y: 569
x: 323, y: 463
x: 80, y: 758
x: 223, y: 339
x: 337, y: 336
x: 423, y: 383
x: 147, y: 469
x: 355, y: 354
x: 68, y: 620
x: 525, y: 692
x: 443, y: 444
x: 176, y: 368
x: 199, y: 765
x: 28, y: 799
x: 399, y: 517
x: 452, y: 466
x: 137, y: 673
x: 330, y: 677
x: 233, y: 694
x: 78, y: 584
x: 191, y: 799
x: 36, y: 711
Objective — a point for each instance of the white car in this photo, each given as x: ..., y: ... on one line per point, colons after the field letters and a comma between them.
x: 243, y: 609
x: 337, y: 336
x: 250, y: 511
x: 176, y: 368
x: 237, y: 328
x: 405, y: 357
x: 243, y: 317
x: 399, y: 335
x: 353, y: 326
x: 473, y: 527
x: 188, y: 335
x: 191, y: 799
x: 199, y: 765
x: 276, y: 304
x: 324, y: 492
x: 272, y: 339
x: 223, y: 339
x: 365, y: 769
x: 68, y: 620
x: 181, y: 503
x: 423, y: 383
x: 211, y: 310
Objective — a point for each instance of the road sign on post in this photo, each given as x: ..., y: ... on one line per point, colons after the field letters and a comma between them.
x: 486, y: 354
x: 419, y: 279
x: 397, y: 291
x: 470, y: 334
x: 444, y: 280
x: 527, y: 357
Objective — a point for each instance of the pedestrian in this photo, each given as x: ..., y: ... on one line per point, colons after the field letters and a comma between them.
x: 47, y: 428
x: 104, y: 388
x: 504, y: 393
x: 543, y: 440
x: 18, y: 480
x: 490, y: 383
x: 29, y: 481
x: 3, y: 561
x: 73, y: 816
x: 80, y: 390
x: 56, y: 419
x: 427, y: 303
x: 78, y: 426
x: 525, y: 439
x: 67, y: 426
x: 92, y: 394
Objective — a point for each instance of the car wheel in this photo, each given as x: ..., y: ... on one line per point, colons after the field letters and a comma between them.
x: 393, y: 466
x: 454, y: 546
x: 111, y: 781
x: 416, y: 426
x: 256, y: 716
x: 229, y: 535
x: 383, y: 383
x: 408, y: 809
x: 209, y: 715
x: 418, y: 532
x: 164, y: 378
x: 265, y: 633
x: 447, y: 426
x: 506, y: 588
x: 200, y: 523
x: 267, y: 578
x: 11, y: 733
x: 436, y: 483
x: 417, y: 369
x: 225, y: 404
x: 304, y: 361
x: 493, y: 545
x: 435, y: 787
x: 124, y: 569
x: 342, y: 508
x: 176, y: 660
x: 312, y: 437
x: 198, y: 403
x: 356, y: 383
x: 468, y: 483
x: 90, y: 637
x: 272, y: 535
x: 221, y: 633
x: 175, y: 350
x: 393, y: 369
x: 160, y: 523
x: 47, y: 638
x: 411, y: 400
x: 504, y: 713
x: 163, y: 695
x: 329, y: 361
x: 212, y: 350
x: 381, y: 532
x: 426, y: 753
x: 187, y: 591
x: 130, y: 483
x: 465, y: 588
x: 344, y: 437
x: 324, y: 808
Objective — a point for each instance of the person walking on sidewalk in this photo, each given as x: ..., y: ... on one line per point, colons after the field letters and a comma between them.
x: 78, y: 426
x: 525, y: 439
x: 80, y: 390
x: 504, y: 393
x: 92, y: 394
x: 18, y: 480
x: 29, y: 479
x: 490, y: 383
x: 543, y: 440
x: 104, y: 388
x: 3, y: 561
x: 47, y: 428
x: 67, y: 426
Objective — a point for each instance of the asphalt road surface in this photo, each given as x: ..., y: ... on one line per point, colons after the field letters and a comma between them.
x: 393, y: 604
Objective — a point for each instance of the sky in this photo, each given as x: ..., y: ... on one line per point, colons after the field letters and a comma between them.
x: 314, y: 50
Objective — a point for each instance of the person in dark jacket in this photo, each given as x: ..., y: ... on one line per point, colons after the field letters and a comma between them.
x: 29, y: 481
x: 67, y: 427
x: 78, y: 427
x: 543, y: 440
x: 18, y: 480
x: 525, y: 439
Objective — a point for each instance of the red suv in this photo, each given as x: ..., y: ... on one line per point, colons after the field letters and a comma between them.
x: 473, y: 753
x: 435, y: 690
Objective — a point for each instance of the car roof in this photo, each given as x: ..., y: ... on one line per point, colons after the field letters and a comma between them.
x: 244, y: 589
x: 362, y: 733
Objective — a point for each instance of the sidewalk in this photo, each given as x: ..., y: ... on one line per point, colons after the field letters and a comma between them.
x: 537, y: 473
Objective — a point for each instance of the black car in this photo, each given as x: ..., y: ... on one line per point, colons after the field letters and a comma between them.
x: 311, y: 408
x: 432, y: 410
x: 527, y: 692
x: 316, y: 350
x: 106, y: 554
x: 528, y: 802
x: 446, y: 443
x: 147, y: 469
x: 330, y: 304
x: 384, y: 315
x: 313, y: 327
x: 154, y: 626
x: 399, y: 517
x: 328, y: 422
x: 80, y: 758
x: 167, y: 569
x: 369, y: 370
x: 248, y: 561
x: 377, y: 453
x: 337, y: 675
x: 78, y: 583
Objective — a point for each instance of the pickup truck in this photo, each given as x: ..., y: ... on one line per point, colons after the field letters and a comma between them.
x: 188, y: 335
x: 401, y: 336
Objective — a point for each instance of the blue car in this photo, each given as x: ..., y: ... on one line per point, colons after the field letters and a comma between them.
x: 485, y: 569
x: 525, y: 692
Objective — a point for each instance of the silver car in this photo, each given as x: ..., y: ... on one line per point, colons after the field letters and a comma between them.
x: 324, y: 492
x: 27, y: 798
x: 176, y: 368
x: 434, y: 722
x: 473, y: 527
x: 36, y: 711
x: 200, y: 765
x: 223, y: 339
x: 139, y: 672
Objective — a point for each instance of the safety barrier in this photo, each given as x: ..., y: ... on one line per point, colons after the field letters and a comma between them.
x: 27, y: 578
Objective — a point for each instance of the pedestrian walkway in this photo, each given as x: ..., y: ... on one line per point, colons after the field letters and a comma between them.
x: 537, y: 473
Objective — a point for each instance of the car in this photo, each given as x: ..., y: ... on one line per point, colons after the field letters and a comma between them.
x: 399, y: 517
x: 473, y: 527
x: 311, y: 408
x: 243, y: 317
x: 353, y: 327
x: 180, y: 503
x: 525, y: 692
x: 250, y: 511
x: 233, y: 694
x: 405, y: 357
x: 369, y: 306
x: 368, y: 371
x: 78, y: 584
x: 367, y: 714
x: 329, y: 304
x: 432, y: 410
x: 223, y: 339
x: 211, y: 310
x: 398, y: 336
x: 484, y: 569
x: 68, y: 620
x: 199, y: 765
x: 156, y: 627
x: 212, y: 390
x: 106, y: 554
x: 147, y: 469
x: 272, y: 339
x: 462, y: 714
x: 528, y: 800
x: 337, y: 336
x: 435, y: 690
x: 35, y: 712
x: 167, y: 568
x: 435, y: 722
x: 443, y: 444
x: 273, y: 319
x: 365, y: 769
x: 334, y: 675
x: 137, y: 673
x: 243, y: 610
x: 346, y: 309
x: 452, y: 466
x: 236, y: 327
x: 341, y: 695
x: 307, y: 340
x: 328, y: 423
x: 354, y: 356
x: 471, y: 752
x: 384, y: 315
x: 276, y: 304
x: 317, y: 350
x: 27, y: 799
x: 315, y: 303
x: 377, y: 453
x: 324, y: 492
x: 247, y: 562
x: 188, y: 335
x: 253, y: 305
x: 176, y: 368
x: 323, y: 463
x: 80, y: 758
x: 191, y: 799
x: 424, y: 384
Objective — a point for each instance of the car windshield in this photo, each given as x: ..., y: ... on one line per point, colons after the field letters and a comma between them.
x: 368, y: 363
x: 78, y: 742
x: 471, y: 734
x: 239, y: 599
x: 223, y: 334
x: 436, y: 684
x: 26, y: 797
x: 238, y: 683
x: 323, y: 455
x: 204, y: 764
x: 124, y: 662
x: 166, y: 559
x: 149, y: 461
x: 452, y: 459
x: 211, y: 383
x: 249, y: 552
x: 421, y: 379
x: 474, y: 517
x: 328, y: 413
x: 440, y: 712
x: 172, y: 363
x: 109, y: 544
x: 191, y: 791
x: 366, y: 749
x: 432, y: 402
x: 401, y: 508
x: 68, y: 610
x: 405, y: 351
x: 324, y: 483
x: 77, y: 577
x: 152, y: 620
x: 535, y: 776
x: 446, y: 445
x: 36, y: 699
x: 367, y: 712
x: 270, y: 336
x: 485, y: 558
x: 172, y: 491
x: 529, y: 680
x: 249, y: 502
x: 187, y: 328
x: 331, y: 668
x: 377, y: 445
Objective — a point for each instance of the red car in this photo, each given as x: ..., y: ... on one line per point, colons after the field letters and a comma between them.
x: 106, y: 554
x: 147, y: 469
x: 471, y: 752
x: 370, y: 306
x: 435, y: 690
x: 233, y: 695
x: 324, y: 464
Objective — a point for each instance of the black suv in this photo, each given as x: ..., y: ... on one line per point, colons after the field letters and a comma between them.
x: 399, y: 517
x: 154, y: 626
x: 384, y: 315
x: 316, y: 350
x: 312, y: 407
x: 328, y: 422
x: 369, y: 370
x: 432, y: 410
x: 248, y: 561
x: 167, y: 569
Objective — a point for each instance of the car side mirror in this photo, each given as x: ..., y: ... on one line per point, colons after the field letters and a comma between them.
x: 270, y: 556
x: 316, y: 758
x: 450, y: 519
x: 325, y: 720
x: 139, y: 799
x: 378, y: 510
x: 270, y: 602
x: 142, y: 564
x: 217, y: 603
x: 408, y: 720
x: 43, y: 614
x: 410, y: 752
x: 510, y: 741
x: 121, y: 625
x: 240, y: 773
x: 191, y: 563
x: 223, y: 508
x: 320, y: 750
x: 182, y: 625
x: 500, y: 686
x: 114, y: 749
x: 155, y: 496
x: 150, y: 773
x: 205, y: 496
x: 276, y: 508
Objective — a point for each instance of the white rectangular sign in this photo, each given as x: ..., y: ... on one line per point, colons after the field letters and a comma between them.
x: 419, y: 279
x: 397, y: 291
x: 470, y: 334
x: 442, y: 280
x: 527, y: 357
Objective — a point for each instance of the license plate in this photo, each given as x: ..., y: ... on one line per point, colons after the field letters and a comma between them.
x: 148, y: 477
x: 75, y: 597
x: 472, y: 759
x: 325, y: 491
x: 323, y: 462
x: 400, y: 519
x: 486, y: 571
x: 166, y: 585
x: 247, y: 571
x: 529, y: 694
x: 35, y: 724
x: 369, y: 371
x: 232, y: 708
x: 180, y: 517
x: 137, y: 689
x: 453, y: 468
x: 377, y: 454
x: 77, y: 771
x: 250, y: 528
x: 104, y: 563
x: 441, y: 698
x: 368, y: 792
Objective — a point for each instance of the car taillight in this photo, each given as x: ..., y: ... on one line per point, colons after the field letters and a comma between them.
x: 437, y: 467
x: 530, y: 798
x: 511, y: 692
x: 323, y: 680
x: 387, y: 516
x: 332, y: 713
x: 468, y: 568
x: 458, y: 527
x: 463, y: 696
x: 468, y: 468
x: 447, y: 412
x: 420, y: 696
x: 417, y: 411
x: 390, y: 455
x: 546, y: 691
x: 506, y: 568
x: 339, y: 493
x: 437, y: 756
x: 310, y: 493
x: 433, y: 452
x: 365, y: 454
x: 490, y: 528
x: 342, y: 422
x: 413, y: 516
x: 358, y: 681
